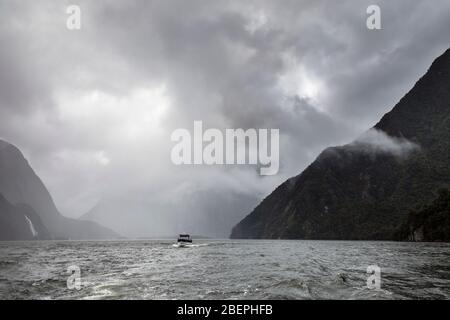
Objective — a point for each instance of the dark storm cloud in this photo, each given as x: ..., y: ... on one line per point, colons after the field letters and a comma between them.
x: 72, y: 100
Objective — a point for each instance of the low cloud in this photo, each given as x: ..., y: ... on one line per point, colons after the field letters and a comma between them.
x: 376, y: 140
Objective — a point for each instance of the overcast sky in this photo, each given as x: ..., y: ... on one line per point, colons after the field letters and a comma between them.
x: 93, y: 109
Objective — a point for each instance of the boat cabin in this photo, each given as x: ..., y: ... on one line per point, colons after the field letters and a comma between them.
x: 184, y: 238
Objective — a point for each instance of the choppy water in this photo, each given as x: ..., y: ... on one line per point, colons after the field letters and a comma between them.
x: 224, y: 270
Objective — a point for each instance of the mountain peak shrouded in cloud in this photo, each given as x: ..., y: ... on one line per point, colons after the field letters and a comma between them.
x: 378, y: 141
x: 93, y: 109
x: 365, y: 189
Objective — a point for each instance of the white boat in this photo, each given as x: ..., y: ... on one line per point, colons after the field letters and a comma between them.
x: 183, y: 240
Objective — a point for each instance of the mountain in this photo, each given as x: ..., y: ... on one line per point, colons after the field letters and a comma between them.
x: 24, y: 194
x: 116, y: 214
x: 20, y: 222
x: 365, y: 190
x: 431, y: 222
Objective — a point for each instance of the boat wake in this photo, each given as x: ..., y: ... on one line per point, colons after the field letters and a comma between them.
x: 184, y: 245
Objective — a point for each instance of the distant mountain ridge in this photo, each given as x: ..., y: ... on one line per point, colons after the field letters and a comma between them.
x: 23, y: 193
x: 364, y: 190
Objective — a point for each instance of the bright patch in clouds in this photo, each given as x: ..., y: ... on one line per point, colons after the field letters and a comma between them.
x: 102, y: 158
x: 134, y: 116
x: 298, y: 80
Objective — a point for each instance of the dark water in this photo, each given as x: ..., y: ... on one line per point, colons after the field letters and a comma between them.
x: 224, y: 270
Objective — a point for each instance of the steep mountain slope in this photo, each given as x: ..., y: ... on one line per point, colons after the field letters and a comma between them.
x: 364, y: 190
x: 20, y: 185
x: 20, y: 222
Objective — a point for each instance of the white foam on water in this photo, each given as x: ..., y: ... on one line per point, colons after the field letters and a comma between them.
x: 177, y: 245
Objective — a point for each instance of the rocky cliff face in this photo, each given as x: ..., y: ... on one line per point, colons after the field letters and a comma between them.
x: 364, y: 190
x: 22, y: 189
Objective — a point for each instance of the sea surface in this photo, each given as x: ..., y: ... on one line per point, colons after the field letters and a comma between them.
x: 223, y: 269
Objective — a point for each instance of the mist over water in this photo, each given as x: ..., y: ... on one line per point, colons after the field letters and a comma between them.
x: 224, y: 269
